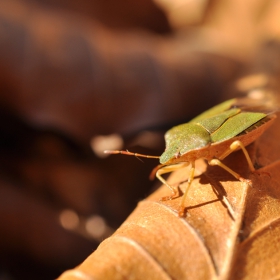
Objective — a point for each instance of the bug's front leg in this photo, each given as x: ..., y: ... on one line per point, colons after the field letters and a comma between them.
x: 181, y: 212
x: 168, y: 169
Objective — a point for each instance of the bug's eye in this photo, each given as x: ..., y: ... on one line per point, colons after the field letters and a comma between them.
x: 177, y: 155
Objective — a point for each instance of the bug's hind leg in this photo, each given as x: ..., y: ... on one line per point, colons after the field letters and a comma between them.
x: 168, y: 169
x: 234, y: 146
x: 239, y: 145
x: 233, y: 173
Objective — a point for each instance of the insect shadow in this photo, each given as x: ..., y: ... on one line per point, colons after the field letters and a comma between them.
x: 217, y: 188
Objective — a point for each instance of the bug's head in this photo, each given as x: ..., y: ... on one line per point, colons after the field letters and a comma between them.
x: 182, y: 139
x: 170, y: 154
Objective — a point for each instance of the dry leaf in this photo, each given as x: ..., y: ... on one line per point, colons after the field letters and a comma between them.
x: 153, y: 243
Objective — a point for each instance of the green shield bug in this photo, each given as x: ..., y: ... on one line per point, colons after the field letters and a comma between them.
x: 213, y: 135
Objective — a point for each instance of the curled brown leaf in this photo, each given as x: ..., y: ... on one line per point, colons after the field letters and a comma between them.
x: 208, y: 243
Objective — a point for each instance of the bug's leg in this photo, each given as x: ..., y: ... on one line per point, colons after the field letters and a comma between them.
x: 181, y: 212
x: 168, y: 169
x: 233, y: 173
x: 238, y: 144
x: 235, y: 145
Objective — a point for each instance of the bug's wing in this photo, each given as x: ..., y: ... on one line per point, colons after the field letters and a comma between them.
x: 235, y: 125
x: 234, y: 116
x: 220, y: 108
x: 213, y: 123
x: 265, y: 105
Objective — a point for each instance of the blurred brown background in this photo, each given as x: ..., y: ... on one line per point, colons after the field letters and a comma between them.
x: 78, y: 77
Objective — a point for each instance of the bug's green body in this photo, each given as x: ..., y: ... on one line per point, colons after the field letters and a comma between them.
x: 212, y: 135
x: 218, y: 124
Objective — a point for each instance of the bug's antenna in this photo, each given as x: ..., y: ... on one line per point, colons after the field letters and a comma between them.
x: 115, y: 152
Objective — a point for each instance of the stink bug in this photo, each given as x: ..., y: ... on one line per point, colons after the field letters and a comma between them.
x: 213, y: 135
